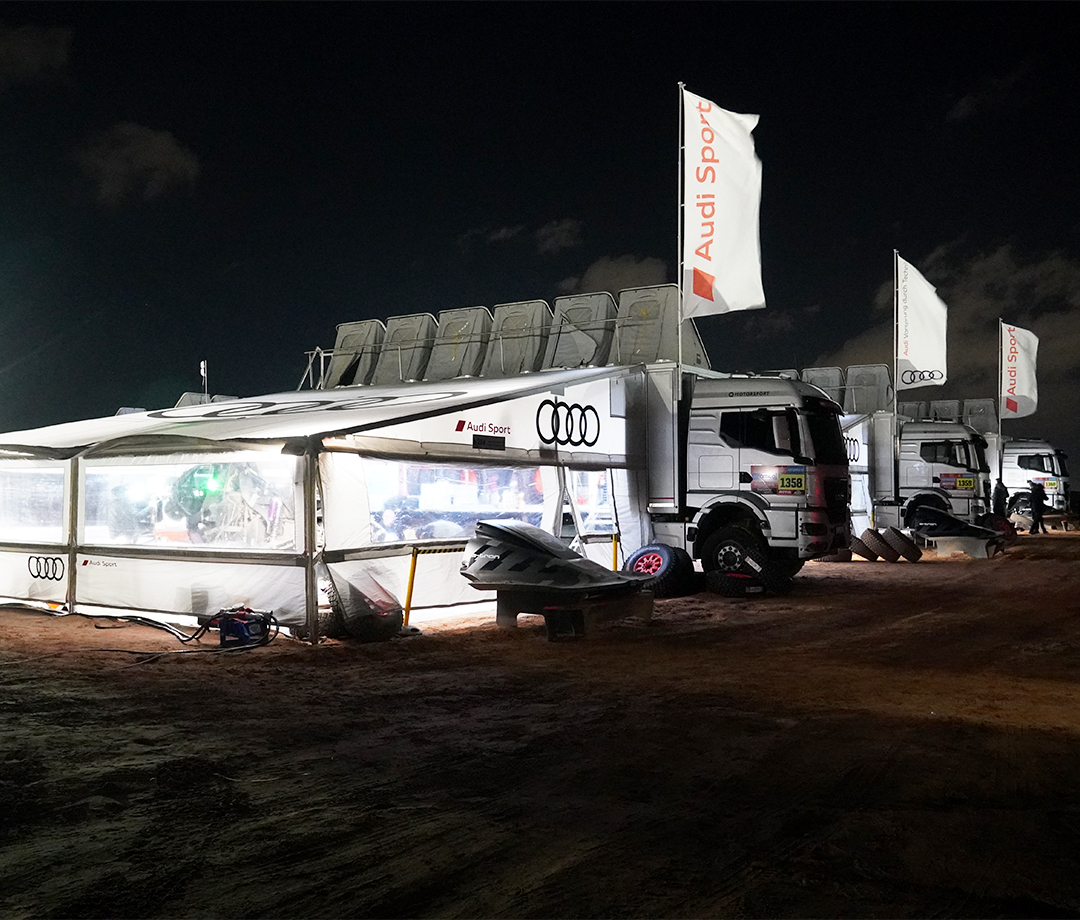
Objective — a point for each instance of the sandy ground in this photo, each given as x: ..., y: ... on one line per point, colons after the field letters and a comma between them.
x: 887, y: 741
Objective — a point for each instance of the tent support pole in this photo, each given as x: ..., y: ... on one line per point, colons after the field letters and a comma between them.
x: 311, y: 587
x: 73, y: 533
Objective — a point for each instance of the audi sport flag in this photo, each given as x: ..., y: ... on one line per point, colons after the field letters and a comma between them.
x: 921, y: 318
x: 1019, y: 389
x: 721, y: 200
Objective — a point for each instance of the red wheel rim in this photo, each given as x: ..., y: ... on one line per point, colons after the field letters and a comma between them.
x: 649, y: 564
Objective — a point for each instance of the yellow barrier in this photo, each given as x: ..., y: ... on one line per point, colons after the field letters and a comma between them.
x: 416, y: 551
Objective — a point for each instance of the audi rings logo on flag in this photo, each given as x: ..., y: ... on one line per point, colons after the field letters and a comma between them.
x: 567, y: 424
x: 910, y: 377
x: 50, y: 568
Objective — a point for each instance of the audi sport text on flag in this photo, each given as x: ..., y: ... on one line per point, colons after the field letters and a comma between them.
x: 721, y: 202
x: 1019, y: 389
x: 921, y: 318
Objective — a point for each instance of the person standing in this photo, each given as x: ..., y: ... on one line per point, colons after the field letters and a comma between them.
x: 1000, y: 499
x: 1038, y: 506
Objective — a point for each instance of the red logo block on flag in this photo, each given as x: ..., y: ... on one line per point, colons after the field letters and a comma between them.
x: 460, y: 425
x: 1010, y: 404
x: 703, y: 284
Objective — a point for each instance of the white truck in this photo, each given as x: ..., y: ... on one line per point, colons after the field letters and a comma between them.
x: 1022, y: 461
x: 748, y: 474
x: 940, y: 465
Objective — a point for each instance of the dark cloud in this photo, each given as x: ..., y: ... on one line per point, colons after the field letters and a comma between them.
x: 502, y: 234
x: 615, y: 273
x: 557, y: 235
x: 130, y: 162
x: 30, y: 54
x: 995, y: 94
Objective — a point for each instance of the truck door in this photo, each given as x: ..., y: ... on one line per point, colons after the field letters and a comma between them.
x: 711, y: 463
x: 951, y: 467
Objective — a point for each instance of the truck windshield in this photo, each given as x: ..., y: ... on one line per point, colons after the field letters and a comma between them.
x: 773, y: 430
x: 827, y: 441
x: 1039, y: 463
x: 966, y: 455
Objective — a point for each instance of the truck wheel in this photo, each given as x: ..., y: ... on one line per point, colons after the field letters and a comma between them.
x: 876, y: 542
x: 737, y: 553
x: 728, y: 550
x: 861, y: 549
x: 902, y: 543
x: 671, y: 569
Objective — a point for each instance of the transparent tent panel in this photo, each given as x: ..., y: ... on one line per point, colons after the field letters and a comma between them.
x: 411, y: 501
x: 33, y: 502
x: 246, y: 500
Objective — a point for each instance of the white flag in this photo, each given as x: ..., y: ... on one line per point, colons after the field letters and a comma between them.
x: 1019, y: 389
x: 721, y: 203
x: 921, y: 319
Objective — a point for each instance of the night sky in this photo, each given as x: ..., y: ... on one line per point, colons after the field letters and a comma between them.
x: 229, y: 181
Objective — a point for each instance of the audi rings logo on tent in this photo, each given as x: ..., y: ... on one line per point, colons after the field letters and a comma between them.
x: 910, y: 377
x: 50, y: 568
x: 567, y: 424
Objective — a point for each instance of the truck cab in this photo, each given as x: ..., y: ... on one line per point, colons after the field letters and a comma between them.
x: 764, y: 456
x: 1023, y: 461
x: 943, y: 464
x: 940, y: 464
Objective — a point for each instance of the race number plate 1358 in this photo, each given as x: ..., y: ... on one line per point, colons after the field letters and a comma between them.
x: 778, y: 480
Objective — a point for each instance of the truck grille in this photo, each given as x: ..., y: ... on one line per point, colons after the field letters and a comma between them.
x: 837, y: 498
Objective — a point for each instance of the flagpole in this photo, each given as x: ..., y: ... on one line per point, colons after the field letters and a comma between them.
x: 896, y: 379
x: 1001, y: 444
x: 679, y: 254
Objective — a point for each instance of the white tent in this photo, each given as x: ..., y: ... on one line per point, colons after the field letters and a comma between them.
x: 186, y: 511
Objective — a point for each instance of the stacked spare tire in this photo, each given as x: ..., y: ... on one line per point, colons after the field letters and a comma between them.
x: 889, y: 545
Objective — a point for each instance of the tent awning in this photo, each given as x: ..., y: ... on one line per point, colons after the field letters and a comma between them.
x: 285, y: 417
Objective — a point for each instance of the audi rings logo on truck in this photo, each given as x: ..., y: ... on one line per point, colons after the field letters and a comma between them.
x: 50, y: 568
x: 910, y: 377
x: 567, y: 424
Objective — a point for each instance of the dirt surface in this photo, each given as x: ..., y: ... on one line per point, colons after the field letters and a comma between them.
x: 886, y: 741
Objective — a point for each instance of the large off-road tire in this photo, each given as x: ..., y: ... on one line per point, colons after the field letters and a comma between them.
x: 670, y: 567
x: 331, y: 625
x: 363, y: 623
x: 732, y: 584
x: 902, y: 543
x: 738, y: 554
x: 874, y: 541
x: 861, y: 549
